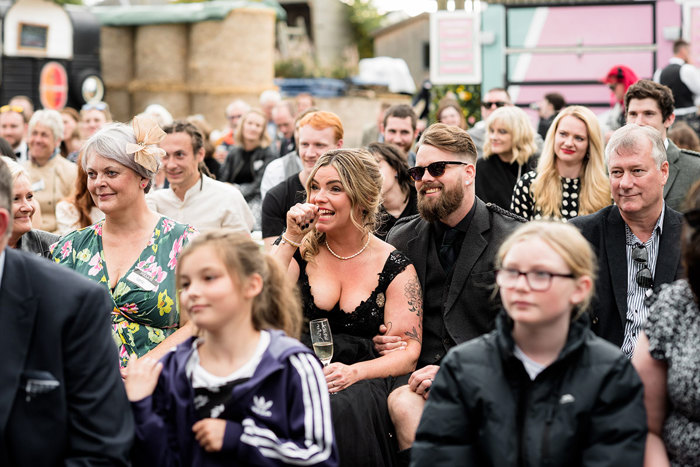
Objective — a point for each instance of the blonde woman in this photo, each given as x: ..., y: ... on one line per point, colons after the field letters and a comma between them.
x: 508, y: 154
x: 570, y: 179
x: 359, y: 283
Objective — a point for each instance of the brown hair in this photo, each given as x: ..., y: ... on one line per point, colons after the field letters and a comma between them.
x: 449, y: 103
x: 81, y: 197
x: 450, y: 139
x: 277, y: 306
x: 648, y: 89
x: 684, y: 136
x: 401, y: 111
x: 690, y: 242
x: 264, y: 137
x: 191, y: 129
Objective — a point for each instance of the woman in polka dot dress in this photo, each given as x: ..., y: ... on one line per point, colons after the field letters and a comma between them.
x: 570, y: 179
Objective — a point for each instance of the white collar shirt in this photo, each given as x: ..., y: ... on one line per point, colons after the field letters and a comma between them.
x: 207, y: 205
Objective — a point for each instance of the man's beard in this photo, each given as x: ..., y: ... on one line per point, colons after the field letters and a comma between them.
x: 449, y: 201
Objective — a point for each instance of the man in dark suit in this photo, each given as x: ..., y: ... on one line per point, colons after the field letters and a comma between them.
x: 637, y: 241
x: 452, y: 245
x: 62, y: 401
x: 651, y: 104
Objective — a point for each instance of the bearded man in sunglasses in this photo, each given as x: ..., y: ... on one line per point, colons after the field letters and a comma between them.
x: 452, y: 244
x: 637, y: 240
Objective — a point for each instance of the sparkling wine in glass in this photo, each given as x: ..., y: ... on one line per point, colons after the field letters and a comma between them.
x: 322, y: 339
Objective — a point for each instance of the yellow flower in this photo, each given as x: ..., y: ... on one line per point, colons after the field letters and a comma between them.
x: 165, y: 303
x: 156, y: 335
x: 133, y: 328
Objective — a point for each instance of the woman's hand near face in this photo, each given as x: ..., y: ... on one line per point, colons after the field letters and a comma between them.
x: 300, y: 220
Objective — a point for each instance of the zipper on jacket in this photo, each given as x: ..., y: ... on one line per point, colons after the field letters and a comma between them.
x: 524, y: 393
x: 545, y: 432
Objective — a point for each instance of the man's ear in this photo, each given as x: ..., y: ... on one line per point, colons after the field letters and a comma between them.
x: 5, y: 223
x: 200, y: 154
x: 339, y: 144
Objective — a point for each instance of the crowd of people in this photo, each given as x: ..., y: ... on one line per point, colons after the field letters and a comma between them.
x: 505, y: 294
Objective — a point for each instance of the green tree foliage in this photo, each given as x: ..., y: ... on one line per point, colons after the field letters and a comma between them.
x: 364, y: 19
x: 468, y: 96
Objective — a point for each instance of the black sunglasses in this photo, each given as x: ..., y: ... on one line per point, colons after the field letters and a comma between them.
x: 488, y: 105
x: 643, y: 277
x: 435, y: 169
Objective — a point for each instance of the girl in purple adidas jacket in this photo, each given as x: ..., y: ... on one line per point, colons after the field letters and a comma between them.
x: 242, y: 393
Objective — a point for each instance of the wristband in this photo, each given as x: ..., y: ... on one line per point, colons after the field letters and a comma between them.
x: 286, y: 240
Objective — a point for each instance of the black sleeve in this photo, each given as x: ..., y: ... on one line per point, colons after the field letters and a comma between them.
x: 274, y: 217
x: 225, y: 172
x: 100, y: 421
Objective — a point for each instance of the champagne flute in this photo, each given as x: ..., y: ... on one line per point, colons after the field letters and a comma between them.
x: 322, y: 339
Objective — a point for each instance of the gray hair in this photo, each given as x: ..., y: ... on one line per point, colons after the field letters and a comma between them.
x: 50, y: 119
x: 6, y: 197
x: 629, y: 137
x: 110, y: 142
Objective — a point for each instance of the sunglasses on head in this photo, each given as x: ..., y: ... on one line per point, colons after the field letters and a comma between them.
x: 94, y: 106
x: 488, y: 105
x: 11, y: 108
x: 643, y: 277
x: 435, y: 169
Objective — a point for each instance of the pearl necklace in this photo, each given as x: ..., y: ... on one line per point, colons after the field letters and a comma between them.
x: 351, y: 256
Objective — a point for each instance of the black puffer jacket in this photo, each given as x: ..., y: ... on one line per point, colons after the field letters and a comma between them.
x: 585, y: 409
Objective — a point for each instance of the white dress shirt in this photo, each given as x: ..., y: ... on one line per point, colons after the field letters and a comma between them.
x: 207, y: 205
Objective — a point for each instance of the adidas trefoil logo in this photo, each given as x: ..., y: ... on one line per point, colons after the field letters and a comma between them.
x: 261, y: 406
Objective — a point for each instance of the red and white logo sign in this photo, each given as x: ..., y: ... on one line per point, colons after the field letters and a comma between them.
x: 53, y: 86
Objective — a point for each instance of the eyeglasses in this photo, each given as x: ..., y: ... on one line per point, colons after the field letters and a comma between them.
x: 643, y: 277
x: 233, y: 117
x: 489, y: 105
x: 538, y: 281
x: 11, y: 108
x: 435, y: 169
x: 692, y: 218
x: 94, y: 106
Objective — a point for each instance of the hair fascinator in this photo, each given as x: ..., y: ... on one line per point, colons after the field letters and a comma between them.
x: 148, y: 135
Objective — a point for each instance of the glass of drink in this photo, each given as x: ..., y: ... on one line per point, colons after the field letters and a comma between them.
x: 322, y: 339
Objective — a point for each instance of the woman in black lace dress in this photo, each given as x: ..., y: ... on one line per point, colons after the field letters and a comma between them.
x: 358, y: 282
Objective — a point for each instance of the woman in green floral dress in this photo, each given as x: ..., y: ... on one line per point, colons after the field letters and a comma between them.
x: 133, y: 251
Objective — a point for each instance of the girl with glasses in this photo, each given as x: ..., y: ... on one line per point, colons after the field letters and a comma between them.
x: 508, y: 153
x: 541, y: 389
x: 571, y: 179
x: 667, y: 359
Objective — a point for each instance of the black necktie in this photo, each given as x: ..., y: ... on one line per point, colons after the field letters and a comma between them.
x: 447, y: 251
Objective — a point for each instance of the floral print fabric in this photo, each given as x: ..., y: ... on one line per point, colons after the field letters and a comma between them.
x: 145, y: 300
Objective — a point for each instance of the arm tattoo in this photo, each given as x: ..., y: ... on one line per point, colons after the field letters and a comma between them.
x: 413, y: 334
x: 414, y: 296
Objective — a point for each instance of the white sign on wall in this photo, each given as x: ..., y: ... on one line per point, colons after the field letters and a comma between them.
x: 455, y: 48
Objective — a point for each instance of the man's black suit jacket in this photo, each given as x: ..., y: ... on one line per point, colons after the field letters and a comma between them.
x: 62, y: 401
x: 470, y: 309
x: 605, y: 231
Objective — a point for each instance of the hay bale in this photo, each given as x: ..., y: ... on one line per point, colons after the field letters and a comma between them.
x: 161, y: 53
x: 116, y: 56
x: 235, y: 52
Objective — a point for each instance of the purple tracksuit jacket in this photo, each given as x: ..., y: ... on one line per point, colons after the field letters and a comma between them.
x: 281, y: 416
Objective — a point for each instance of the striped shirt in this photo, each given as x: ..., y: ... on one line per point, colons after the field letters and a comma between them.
x: 637, y: 310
